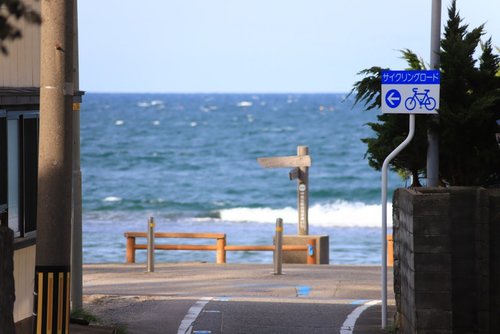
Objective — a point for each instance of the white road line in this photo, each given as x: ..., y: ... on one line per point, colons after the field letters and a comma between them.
x: 191, y: 315
x: 348, y: 325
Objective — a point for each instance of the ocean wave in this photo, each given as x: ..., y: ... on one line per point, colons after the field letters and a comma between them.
x: 338, y: 214
x: 112, y: 199
x: 244, y: 104
x: 155, y: 103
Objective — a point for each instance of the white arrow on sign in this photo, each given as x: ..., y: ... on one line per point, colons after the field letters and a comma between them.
x: 392, y: 99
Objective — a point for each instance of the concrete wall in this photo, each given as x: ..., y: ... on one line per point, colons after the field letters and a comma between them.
x: 446, y: 257
x: 322, y: 248
x: 24, y: 273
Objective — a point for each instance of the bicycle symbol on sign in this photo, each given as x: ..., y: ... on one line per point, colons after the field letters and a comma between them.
x: 423, y: 99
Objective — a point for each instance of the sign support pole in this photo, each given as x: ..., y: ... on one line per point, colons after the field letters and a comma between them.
x: 385, y: 167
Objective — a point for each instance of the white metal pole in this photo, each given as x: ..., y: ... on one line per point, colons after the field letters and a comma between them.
x: 432, y: 136
x: 385, y: 167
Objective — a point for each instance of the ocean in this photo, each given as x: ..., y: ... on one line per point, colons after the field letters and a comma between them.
x: 190, y: 161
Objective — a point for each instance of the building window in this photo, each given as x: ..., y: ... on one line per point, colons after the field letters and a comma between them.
x: 3, y: 167
x: 30, y: 170
x: 13, y: 179
x: 21, y: 132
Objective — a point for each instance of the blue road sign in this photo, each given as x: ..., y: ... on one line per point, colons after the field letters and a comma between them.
x: 410, y: 92
x: 431, y: 77
x: 393, y: 98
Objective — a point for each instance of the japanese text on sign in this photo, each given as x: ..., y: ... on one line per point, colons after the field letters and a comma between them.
x: 411, y: 77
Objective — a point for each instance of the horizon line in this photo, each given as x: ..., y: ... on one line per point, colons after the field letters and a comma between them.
x: 225, y: 93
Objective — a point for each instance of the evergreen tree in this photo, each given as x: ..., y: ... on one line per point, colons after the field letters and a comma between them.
x: 470, y: 105
x: 468, y: 114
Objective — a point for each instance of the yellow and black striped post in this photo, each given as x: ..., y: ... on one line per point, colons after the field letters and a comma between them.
x: 52, y: 300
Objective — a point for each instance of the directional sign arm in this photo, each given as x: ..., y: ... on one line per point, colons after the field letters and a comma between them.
x: 286, y: 162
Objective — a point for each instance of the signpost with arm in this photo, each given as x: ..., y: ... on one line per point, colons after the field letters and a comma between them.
x: 403, y: 92
x: 300, y: 164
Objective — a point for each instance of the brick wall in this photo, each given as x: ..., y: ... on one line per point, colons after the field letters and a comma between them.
x: 446, y: 256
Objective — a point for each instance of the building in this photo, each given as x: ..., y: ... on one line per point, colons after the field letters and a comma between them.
x: 19, y: 135
x: 19, y: 120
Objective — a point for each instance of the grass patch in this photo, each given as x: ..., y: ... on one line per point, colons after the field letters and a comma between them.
x: 92, y: 319
x: 390, y: 329
x: 83, y: 314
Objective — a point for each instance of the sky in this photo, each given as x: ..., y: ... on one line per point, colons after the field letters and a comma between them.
x: 258, y: 46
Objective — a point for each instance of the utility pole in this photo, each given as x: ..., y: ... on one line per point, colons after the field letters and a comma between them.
x: 52, y: 270
x: 432, y: 136
x: 76, y: 237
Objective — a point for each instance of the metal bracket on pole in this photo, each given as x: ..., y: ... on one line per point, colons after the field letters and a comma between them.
x: 385, y: 167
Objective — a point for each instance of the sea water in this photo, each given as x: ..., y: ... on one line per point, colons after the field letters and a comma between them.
x: 190, y: 161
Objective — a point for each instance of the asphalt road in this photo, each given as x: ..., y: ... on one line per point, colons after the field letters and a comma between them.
x: 235, y: 298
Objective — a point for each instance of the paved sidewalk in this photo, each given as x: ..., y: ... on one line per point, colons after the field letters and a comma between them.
x: 234, y: 298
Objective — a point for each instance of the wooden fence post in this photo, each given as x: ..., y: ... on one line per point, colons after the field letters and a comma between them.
x: 221, y: 250
x: 390, y: 250
x: 130, y: 249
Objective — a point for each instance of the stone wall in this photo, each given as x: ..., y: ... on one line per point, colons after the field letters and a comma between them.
x: 494, y: 263
x: 445, y: 259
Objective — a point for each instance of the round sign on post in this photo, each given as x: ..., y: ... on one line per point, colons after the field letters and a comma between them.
x: 393, y: 98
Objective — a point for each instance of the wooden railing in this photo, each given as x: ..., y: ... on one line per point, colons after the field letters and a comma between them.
x: 219, y: 247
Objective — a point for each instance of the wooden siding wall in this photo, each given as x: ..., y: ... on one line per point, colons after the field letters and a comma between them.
x: 21, y: 68
x: 24, y: 273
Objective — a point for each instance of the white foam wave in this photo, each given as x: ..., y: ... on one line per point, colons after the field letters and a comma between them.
x: 244, y: 104
x: 147, y: 104
x: 112, y: 199
x: 339, y: 214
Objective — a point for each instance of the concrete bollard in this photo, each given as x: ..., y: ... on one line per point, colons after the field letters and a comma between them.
x: 278, y: 247
x: 151, y: 245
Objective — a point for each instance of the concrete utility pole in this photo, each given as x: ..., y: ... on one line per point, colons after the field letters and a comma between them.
x: 432, y: 136
x: 52, y: 270
x: 76, y: 237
